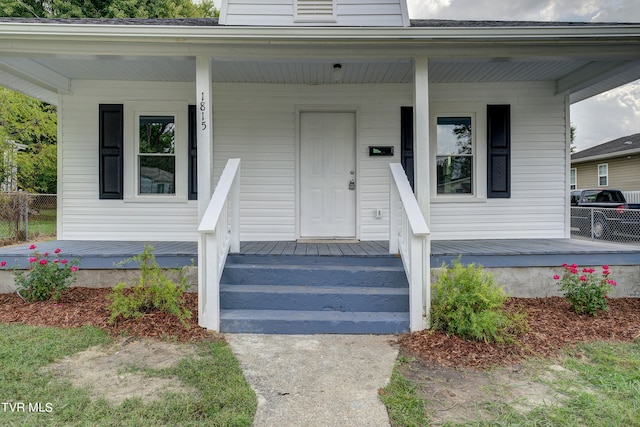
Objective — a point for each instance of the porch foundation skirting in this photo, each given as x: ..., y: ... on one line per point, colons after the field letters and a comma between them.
x: 524, y: 267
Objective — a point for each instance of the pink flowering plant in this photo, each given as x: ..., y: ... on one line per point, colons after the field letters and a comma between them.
x: 585, y: 289
x: 46, y: 277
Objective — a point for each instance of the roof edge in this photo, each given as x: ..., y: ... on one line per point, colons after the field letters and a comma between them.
x: 606, y: 156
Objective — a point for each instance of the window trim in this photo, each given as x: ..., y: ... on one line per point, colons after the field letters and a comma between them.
x: 573, y: 179
x: 132, y: 113
x: 605, y: 175
x: 477, y: 113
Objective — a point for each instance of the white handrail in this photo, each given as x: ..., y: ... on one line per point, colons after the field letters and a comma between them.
x: 409, y: 236
x: 218, y: 234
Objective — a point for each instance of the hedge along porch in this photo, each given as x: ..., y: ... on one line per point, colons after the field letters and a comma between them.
x: 476, y: 112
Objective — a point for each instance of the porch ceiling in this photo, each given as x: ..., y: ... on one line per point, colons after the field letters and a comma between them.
x: 579, y: 76
x: 301, y: 71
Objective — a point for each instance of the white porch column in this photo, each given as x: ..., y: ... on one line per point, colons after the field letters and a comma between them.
x: 204, y: 125
x: 421, y: 135
x: 422, y: 176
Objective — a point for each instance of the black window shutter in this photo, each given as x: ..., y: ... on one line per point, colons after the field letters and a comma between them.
x: 193, y: 154
x: 499, y: 151
x: 111, y: 146
x: 406, y: 142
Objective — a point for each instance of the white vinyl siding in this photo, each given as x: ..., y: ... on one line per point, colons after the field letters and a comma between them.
x: 259, y: 124
x: 536, y: 207
x: 83, y: 215
x: 377, y: 13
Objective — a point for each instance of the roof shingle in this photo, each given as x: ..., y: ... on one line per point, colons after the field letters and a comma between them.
x: 614, y: 148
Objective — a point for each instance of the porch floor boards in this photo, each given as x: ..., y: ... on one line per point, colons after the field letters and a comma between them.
x: 490, y: 253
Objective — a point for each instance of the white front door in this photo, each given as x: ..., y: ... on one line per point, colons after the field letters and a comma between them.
x: 327, y: 175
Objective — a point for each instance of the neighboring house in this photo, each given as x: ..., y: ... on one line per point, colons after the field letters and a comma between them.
x: 10, y: 181
x: 614, y: 164
x: 316, y: 98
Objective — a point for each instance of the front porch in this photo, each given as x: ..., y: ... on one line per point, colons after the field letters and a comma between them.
x: 502, y: 253
x: 336, y: 287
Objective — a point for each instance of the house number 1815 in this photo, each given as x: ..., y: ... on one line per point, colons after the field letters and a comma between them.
x: 203, y: 108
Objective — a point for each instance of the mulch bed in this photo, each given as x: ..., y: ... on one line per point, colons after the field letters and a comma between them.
x: 80, y: 306
x: 552, y: 326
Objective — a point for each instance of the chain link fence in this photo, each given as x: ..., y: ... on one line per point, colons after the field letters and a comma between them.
x: 26, y: 216
x: 608, y: 224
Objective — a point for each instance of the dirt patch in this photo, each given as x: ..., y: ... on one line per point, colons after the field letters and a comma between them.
x: 462, y: 395
x: 114, y: 372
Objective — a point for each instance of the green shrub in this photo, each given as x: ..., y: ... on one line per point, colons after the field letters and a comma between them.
x: 153, y: 292
x: 467, y: 302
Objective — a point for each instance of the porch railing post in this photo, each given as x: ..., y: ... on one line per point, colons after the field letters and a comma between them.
x: 235, y: 214
x: 411, y: 240
x: 218, y: 234
x: 394, y: 226
x: 208, y: 284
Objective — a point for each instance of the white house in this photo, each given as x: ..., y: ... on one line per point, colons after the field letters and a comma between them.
x: 8, y: 162
x: 317, y: 98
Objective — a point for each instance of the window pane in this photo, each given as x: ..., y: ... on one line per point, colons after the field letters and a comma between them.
x: 454, y: 136
x: 157, y: 174
x: 157, y: 134
x: 602, y: 181
x: 455, y: 174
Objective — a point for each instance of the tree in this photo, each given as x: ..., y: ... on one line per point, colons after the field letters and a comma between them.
x: 27, y: 120
x: 37, y: 169
x: 25, y: 8
x: 107, y: 9
x: 34, y: 123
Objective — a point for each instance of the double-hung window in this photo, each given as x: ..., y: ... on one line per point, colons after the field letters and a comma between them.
x: 155, y: 161
x: 603, y: 175
x: 156, y: 156
x: 455, y: 155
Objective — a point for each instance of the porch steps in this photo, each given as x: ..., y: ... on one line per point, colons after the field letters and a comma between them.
x: 314, y: 294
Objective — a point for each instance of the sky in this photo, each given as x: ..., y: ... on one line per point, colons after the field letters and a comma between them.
x: 599, y: 119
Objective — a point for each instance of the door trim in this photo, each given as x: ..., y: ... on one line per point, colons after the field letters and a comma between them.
x: 298, y: 157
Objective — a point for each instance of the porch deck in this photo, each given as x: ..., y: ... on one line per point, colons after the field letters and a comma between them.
x: 489, y: 253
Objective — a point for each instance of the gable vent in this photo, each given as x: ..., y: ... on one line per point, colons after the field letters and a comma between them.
x: 315, y: 10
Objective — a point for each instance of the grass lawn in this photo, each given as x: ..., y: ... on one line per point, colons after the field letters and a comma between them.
x: 43, y: 224
x: 221, y: 397
x: 598, y: 385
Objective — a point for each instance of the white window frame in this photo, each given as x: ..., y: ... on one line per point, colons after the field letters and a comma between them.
x: 132, y: 113
x: 605, y: 175
x: 573, y: 179
x: 479, y: 151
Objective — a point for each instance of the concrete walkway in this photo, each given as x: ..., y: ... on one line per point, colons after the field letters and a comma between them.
x: 316, y: 380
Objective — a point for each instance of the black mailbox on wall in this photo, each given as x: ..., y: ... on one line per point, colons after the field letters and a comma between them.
x: 386, y: 150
